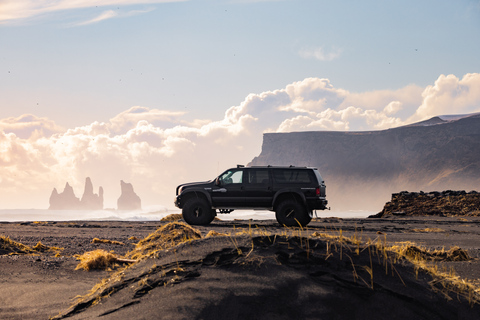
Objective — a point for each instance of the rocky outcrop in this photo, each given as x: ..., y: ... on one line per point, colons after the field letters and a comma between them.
x: 68, y: 201
x: 65, y: 200
x: 363, y: 169
x: 447, y: 203
x: 91, y: 200
x: 128, y: 200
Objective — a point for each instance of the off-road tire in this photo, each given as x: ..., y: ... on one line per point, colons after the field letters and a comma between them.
x: 197, y: 212
x: 290, y: 213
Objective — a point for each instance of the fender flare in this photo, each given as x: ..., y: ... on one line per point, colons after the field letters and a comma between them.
x: 286, y: 191
x: 195, y: 193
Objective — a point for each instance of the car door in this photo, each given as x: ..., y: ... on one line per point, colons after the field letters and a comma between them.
x: 258, y: 188
x: 229, y: 191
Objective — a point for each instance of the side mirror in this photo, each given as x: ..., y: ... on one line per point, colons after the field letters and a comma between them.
x: 217, y: 181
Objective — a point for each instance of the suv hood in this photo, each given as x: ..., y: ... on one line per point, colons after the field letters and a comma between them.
x: 200, y: 184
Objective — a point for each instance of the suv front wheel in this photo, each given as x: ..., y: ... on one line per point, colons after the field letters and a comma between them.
x: 290, y: 213
x: 197, y: 212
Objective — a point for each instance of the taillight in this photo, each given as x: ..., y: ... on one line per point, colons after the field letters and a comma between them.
x: 317, y: 192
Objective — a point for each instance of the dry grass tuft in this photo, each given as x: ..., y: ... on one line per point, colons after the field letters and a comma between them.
x: 163, y: 238
x: 213, y: 233
x: 41, y: 247
x: 172, y: 217
x: 96, y: 260
x: 96, y: 240
x: 8, y: 246
x: 415, y: 253
x: 133, y: 238
x: 40, y: 222
x: 425, y: 230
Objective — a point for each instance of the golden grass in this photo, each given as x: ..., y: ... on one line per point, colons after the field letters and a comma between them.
x: 443, y: 281
x: 172, y: 217
x: 40, y: 222
x: 96, y: 240
x: 213, y: 233
x: 425, y: 230
x: 9, y: 246
x: 163, y: 238
x: 95, y: 260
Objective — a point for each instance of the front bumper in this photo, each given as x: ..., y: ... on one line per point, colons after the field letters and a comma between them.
x: 177, y: 202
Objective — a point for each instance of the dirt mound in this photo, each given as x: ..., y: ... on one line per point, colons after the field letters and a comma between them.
x: 447, y: 203
x: 281, y: 277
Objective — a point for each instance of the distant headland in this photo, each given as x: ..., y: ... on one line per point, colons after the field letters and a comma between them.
x: 67, y: 200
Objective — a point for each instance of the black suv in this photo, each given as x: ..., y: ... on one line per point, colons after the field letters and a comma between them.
x: 292, y: 192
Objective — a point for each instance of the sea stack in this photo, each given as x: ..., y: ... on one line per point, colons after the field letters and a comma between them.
x: 68, y: 201
x: 90, y: 200
x: 128, y: 200
x: 65, y: 200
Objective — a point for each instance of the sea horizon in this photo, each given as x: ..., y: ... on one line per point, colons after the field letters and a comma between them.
x: 152, y: 213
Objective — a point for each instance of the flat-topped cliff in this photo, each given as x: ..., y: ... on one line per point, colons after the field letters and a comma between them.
x: 362, y: 169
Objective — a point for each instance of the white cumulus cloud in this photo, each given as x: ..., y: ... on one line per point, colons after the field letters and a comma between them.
x: 157, y: 149
x: 450, y: 95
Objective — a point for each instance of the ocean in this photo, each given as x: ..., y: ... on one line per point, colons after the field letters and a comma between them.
x: 154, y: 213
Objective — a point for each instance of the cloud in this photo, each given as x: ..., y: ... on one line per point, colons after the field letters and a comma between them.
x: 109, y: 14
x: 103, y: 16
x: 157, y: 149
x: 320, y: 53
x: 28, y: 125
x: 13, y: 10
x: 450, y: 95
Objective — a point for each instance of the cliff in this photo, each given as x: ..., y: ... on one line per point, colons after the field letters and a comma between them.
x: 362, y: 169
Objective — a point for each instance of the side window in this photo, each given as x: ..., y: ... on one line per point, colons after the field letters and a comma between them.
x: 291, y: 176
x: 258, y: 176
x: 231, y: 176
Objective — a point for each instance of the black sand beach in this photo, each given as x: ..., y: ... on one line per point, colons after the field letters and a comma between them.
x: 334, y: 269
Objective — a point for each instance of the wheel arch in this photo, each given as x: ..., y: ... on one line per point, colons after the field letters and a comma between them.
x: 200, y: 194
x: 283, y: 195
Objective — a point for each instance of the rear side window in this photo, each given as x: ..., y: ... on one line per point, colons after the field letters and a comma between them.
x: 291, y: 176
x: 258, y: 176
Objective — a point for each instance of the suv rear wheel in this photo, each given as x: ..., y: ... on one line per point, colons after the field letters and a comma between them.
x: 292, y: 214
x: 197, y: 212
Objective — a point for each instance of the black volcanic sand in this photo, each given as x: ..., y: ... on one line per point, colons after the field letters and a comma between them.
x: 260, y: 271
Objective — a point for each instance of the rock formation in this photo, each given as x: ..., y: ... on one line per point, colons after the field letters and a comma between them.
x: 65, y: 200
x: 128, y: 200
x: 447, y: 203
x: 90, y: 200
x: 362, y: 169
x: 68, y: 201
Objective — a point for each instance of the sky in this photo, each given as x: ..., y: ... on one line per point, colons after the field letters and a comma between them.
x: 159, y: 92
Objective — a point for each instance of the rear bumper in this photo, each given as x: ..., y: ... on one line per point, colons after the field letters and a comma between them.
x: 317, y: 203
